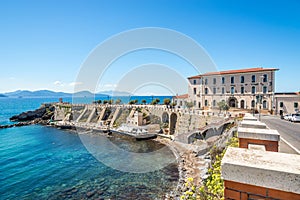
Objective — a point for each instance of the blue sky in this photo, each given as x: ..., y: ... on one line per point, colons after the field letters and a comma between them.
x: 44, y: 43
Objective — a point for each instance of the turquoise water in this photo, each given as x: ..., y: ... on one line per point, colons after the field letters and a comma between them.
x: 38, y: 162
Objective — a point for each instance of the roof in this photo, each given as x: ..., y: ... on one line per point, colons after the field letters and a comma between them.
x: 183, y: 96
x: 236, y: 71
x: 287, y: 93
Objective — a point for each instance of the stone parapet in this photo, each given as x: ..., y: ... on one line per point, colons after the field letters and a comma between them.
x: 258, y: 134
x: 249, y: 117
x: 253, y: 124
x: 261, y: 169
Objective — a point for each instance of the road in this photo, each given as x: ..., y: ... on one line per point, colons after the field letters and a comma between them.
x: 289, y: 131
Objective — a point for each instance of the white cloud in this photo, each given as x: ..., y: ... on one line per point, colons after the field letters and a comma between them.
x: 58, y: 83
x: 75, y: 83
x: 110, y: 85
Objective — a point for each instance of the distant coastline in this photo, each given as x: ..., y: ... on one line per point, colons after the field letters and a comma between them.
x: 82, y: 94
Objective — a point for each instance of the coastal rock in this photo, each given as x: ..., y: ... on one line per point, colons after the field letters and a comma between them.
x: 45, y: 112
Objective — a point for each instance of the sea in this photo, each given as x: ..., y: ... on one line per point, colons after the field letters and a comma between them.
x: 41, y: 162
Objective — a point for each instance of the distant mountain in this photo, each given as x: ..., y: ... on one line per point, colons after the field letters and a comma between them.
x: 38, y: 93
x: 49, y: 93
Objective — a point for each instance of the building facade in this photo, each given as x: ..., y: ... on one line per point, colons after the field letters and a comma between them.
x: 286, y: 103
x: 249, y: 89
x: 180, y: 100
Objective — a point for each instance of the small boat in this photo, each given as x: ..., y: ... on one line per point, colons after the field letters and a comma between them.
x: 145, y: 137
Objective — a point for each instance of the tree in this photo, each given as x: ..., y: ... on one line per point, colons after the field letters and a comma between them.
x: 173, y: 104
x: 157, y: 100
x: 135, y: 101
x: 131, y: 102
x: 154, y: 102
x: 189, y: 104
x: 167, y: 101
x: 105, y: 101
x: 118, y: 101
x: 144, y: 101
x: 111, y: 101
x: 223, y: 106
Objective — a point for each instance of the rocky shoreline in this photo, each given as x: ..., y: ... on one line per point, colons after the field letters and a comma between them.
x: 190, y: 163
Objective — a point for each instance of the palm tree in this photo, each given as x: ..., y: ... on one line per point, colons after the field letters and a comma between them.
x: 144, y: 101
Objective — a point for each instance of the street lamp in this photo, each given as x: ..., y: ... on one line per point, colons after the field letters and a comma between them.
x: 260, y: 96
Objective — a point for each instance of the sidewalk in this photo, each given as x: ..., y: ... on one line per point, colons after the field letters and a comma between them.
x: 284, y: 148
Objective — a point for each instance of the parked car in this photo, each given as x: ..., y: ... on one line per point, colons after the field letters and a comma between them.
x: 287, y: 117
x: 295, y: 118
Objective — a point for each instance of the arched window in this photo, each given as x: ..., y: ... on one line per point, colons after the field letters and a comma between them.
x: 253, y: 90
x: 214, y: 90
x: 242, y: 104
x: 223, y: 80
x: 265, y: 89
x: 232, y: 90
x: 206, y: 102
x: 265, y: 78
x: 206, y: 91
x: 242, y: 79
x: 214, y: 103
x: 232, y: 80
x: 253, y: 78
x: 242, y: 90
x: 264, y: 104
x: 253, y: 103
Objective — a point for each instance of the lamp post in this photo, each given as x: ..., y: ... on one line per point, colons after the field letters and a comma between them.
x: 260, y: 96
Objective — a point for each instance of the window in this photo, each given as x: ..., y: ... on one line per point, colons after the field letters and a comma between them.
x: 205, y: 81
x: 232, y: 90
x: 242, y: 90
x: 205, y: 102
x: 253, y: 79
x: 296, y: 105
x: 281, y: 104
x: 242, y: 79
x: 195, y: 103
x: 214, y: 103
x: 223, y: 80
x: 265, y: 89
x: 206, y: 91
x: 264, y: 104
x: 265, y: 78
x: 215, y: 90
x: 232, y: 80
x: 253, y: 90
x: 195, y: 82
x: 223, y: 90
x: 214, y: 81
x: 195, y: 90
x: 253, y: 103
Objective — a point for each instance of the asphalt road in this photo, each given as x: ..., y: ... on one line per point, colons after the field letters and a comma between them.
x: 289, y: 131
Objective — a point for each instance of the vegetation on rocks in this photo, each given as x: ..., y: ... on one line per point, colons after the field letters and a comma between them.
x: 213, y: 186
